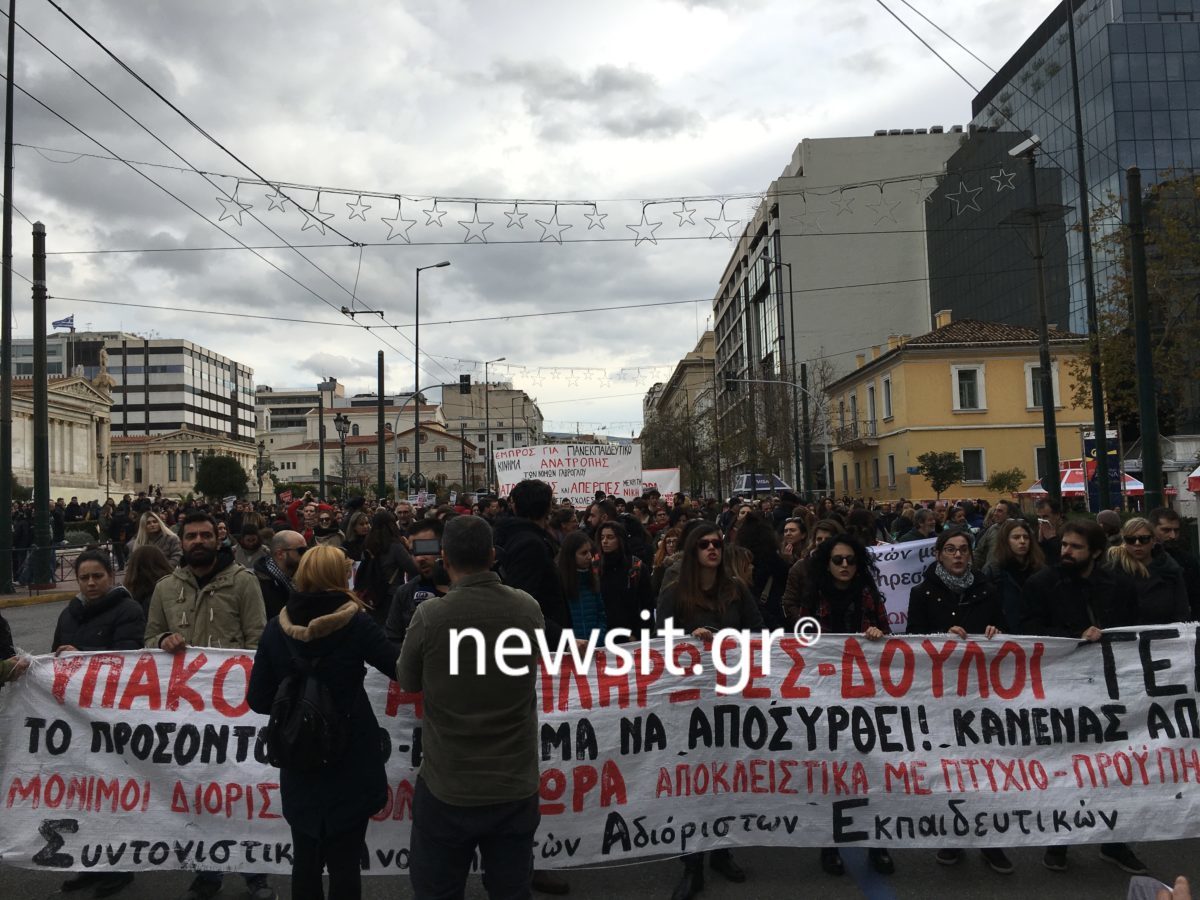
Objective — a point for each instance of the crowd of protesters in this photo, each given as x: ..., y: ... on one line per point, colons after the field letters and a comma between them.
x: 366, y: 583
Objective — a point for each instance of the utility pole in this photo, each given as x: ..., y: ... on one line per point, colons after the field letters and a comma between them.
x: 1099, y: 420
x: 805, y: 436
x: 42, y: 569
x: 1144, y: 364
x: 6, y: 313
x: 380, y: 447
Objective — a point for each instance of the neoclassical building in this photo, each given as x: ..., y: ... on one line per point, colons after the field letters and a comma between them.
x: 80, y: 413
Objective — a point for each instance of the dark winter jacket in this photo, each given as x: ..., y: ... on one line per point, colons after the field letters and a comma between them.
x: 332, y: 628
x: 274, y: 592
x: 1058, y: 603
x: 114, y: 622
x: 1009, y: 584
x: 377, y: 578
x: 1162, y: 598
x: 625, y: 587
x: 767, y: 587
x: 404, y: 603
x: 525, y: 555
x: 933, y: 607
x: 742, y: 612
x: 1191, y: 575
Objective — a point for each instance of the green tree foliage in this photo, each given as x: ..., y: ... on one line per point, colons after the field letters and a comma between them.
x: 1006, y: 481
x: 941, y: 469
x: 221, y: 476
x: 1172, y: 240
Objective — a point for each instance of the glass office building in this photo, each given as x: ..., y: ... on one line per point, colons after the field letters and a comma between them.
x: 1139, y: 78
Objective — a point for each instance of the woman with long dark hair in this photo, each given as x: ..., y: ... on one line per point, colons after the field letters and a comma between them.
x: 669, y: 544
x: 769, y: 572
x: 1015, y: 556
x: 624, y: 579
x: 842, y: 595
x: 385, y: 563
x: 581, y: 585
x: 329, y: 808
x: 705, y: 599
x: 145, y: 567
x: 357, y: 530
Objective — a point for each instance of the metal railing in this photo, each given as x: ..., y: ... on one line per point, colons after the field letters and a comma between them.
x: 856, y: 432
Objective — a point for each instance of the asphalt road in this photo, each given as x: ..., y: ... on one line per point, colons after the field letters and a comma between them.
x: 774, y: 873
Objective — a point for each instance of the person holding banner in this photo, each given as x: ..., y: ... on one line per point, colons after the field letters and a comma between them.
x: 12, y: 666
x: 1161, y: 593
x: 1077, y: 598
x: 955, y: 600
x: 704, y: 600
x: 328, y: 809
x: 843, y: 597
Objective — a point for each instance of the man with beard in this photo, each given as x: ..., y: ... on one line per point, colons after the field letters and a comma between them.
x: 1168, y: 531
x: 209, y: 601
x: 404, y: 516
x: 1077, y: 597
x: 275, y: 570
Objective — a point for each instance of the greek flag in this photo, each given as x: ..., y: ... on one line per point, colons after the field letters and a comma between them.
x: 68, y: 322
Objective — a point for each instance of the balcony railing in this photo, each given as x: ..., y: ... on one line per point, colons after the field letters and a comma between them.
x: 857, y: 434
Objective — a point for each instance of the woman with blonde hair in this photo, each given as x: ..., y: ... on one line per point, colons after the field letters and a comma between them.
x: 1161, y: 591
x: 153, y: 532
x: 328, y: 809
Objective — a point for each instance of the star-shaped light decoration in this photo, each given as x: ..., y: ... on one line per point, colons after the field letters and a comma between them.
x: 686, y: 214
x: 843, y: 204
x: 884, y: 210
x: 398, y: 225
x: 644, y: 230
x: 964, y: 198
x: 434, y: 216
x: 721, y: 225
x: 232, y: 208
x: 552, y: 229
x: 922, y: 191
x: 314, y: 218
x: 595, y: 218
x: 277, y: 201
x: 807, y: 227
x: 358, y: 209
x: 475, y: 228
x: 1004, y: 181
x: 515, y: 218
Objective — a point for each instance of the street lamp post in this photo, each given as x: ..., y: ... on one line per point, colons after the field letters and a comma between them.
x: 417, y: 366
x: 262, y: 446
x: 342, y: 423
x: 487, y: 418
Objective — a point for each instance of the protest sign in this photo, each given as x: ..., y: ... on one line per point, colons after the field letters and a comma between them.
x: 901, y: 567
x: 665, y: 481
x: 143, y: 760
x: 575, y: 471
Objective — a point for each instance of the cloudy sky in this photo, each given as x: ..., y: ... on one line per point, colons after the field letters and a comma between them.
x: 529, y: 115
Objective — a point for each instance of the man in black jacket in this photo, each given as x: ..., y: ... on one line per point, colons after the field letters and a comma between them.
x: 1168, y: 531
x: 525, y: 552
x: 275, y: 571
x: 1078, y: 598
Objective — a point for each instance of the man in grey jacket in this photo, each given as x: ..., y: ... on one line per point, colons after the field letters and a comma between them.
x: 209, y: 601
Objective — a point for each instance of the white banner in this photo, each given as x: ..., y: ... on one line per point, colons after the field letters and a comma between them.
x: 141, y: 760
x: 901, y: 566
x: 575, y: 471
x: 665, y: 481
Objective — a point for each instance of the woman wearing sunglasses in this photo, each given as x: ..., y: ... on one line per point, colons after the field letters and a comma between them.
x: 841, y: 594
x: 326, y: 532
x: 1161, y: 590
x: 954, y: 599
x: 705, y: 599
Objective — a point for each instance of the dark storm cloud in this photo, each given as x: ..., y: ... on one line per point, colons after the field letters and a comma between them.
x: 619, y: 101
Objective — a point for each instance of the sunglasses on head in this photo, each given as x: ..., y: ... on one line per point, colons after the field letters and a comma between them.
x: 838, y: 560
x: 1138, y: 538
x: 710, y: 544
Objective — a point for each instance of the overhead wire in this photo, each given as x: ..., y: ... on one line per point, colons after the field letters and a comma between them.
x: 233, y: 198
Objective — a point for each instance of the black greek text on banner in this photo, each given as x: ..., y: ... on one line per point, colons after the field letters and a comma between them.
x: 142, y: 760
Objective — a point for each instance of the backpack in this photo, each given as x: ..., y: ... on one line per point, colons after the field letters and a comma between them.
x: 307, y: 731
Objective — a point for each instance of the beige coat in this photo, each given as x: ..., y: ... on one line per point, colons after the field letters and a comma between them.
x: 227, y: 612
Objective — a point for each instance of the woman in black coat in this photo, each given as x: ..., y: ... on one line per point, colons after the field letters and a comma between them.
x: 956, y: 600
x: 625, y: 584
x: 328, y: 809
x: 102, y: 616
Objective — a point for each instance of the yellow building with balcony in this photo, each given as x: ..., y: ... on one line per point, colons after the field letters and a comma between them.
x: 970, y: 387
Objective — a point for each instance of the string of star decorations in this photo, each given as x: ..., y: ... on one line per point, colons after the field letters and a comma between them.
x: 483, y: 220
x: 570, y: 376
